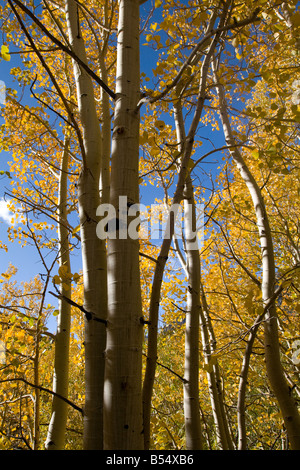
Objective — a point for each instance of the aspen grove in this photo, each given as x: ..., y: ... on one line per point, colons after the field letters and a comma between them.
x: 150, y: 161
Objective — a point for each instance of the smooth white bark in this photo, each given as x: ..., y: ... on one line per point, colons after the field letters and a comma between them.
x: 275, y: 372
x: 93, y: 249
x: 57, y: 427
x: 123, y: 424
x: 187, y: 148
x: 193, y: 432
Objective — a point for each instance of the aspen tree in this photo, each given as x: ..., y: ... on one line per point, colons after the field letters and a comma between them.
x: 93, y: 248
x: 187, y: 149
x: 197, y: 319
x: 117, y: 410
x: 192, y: 266
x: 275, y: 372
x: 123, y: 425
x: 57, y: 427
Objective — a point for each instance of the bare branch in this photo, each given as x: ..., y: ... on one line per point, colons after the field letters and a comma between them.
x: 202, y: 44
x: 43, y: 62
x: 44, y: 389
x: 88, y: 315
x: 63, y: 47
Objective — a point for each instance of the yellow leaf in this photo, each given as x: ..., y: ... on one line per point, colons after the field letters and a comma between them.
x: 296, y: 19
x: 211, y: 362
x: 159, y: 124
x: 76, y: 229
x: 191, y: 164
x: 56, y: 279
x: 76, y: 277
x: 62, y: 270
x: 260, y: 310
x: 286, y: 283
x: 235, y: 42
x: 5, y: 52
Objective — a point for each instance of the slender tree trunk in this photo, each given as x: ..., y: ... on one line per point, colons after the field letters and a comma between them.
x: 123, y: 376
x: 241, y: 403
x: 223, y: 434
x: 213, y: 376
x: 93, y: 248
x: 106, y: 114
x: 193, y: 433
x: 57, y: 427
x: 37, y: 393
x: 164, y: 252
x: 36, y: 364
x: 106, y: 140
x: 275, y: 372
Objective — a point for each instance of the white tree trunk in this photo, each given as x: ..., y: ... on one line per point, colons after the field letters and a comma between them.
x: 93, y: 248
x: 187, y: 148
x: 123, y: 425
x: 274, y: 368
x: 193, y: 433
x: 106, y: 141
x: 57, y: 427
x: 223, y: 435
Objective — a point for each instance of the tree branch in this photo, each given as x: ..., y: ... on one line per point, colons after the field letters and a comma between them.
x: 52, y: 78
x: 43, y: 389
x: 169, y: 369
x: 203, y: 43
x: 64, y: 47
x: 88, y: 315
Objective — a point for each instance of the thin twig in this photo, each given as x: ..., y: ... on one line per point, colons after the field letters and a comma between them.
x: 44, y: 389
x: 64, y: 48
x: 170, y: 370
x: 88, y: 315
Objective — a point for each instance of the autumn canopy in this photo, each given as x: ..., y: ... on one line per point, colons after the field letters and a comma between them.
x: 150, y: 161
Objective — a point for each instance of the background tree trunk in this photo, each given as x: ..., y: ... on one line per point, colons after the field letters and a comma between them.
x: 187, y: 147
x: 193, y: 433
x: 279, y: 385
x: 224, y: 438
x: 57, y: 427
x: 191, y: 369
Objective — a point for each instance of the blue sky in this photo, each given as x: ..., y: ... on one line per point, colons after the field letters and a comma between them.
x: 16, y: 255
x: 25, y: 259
